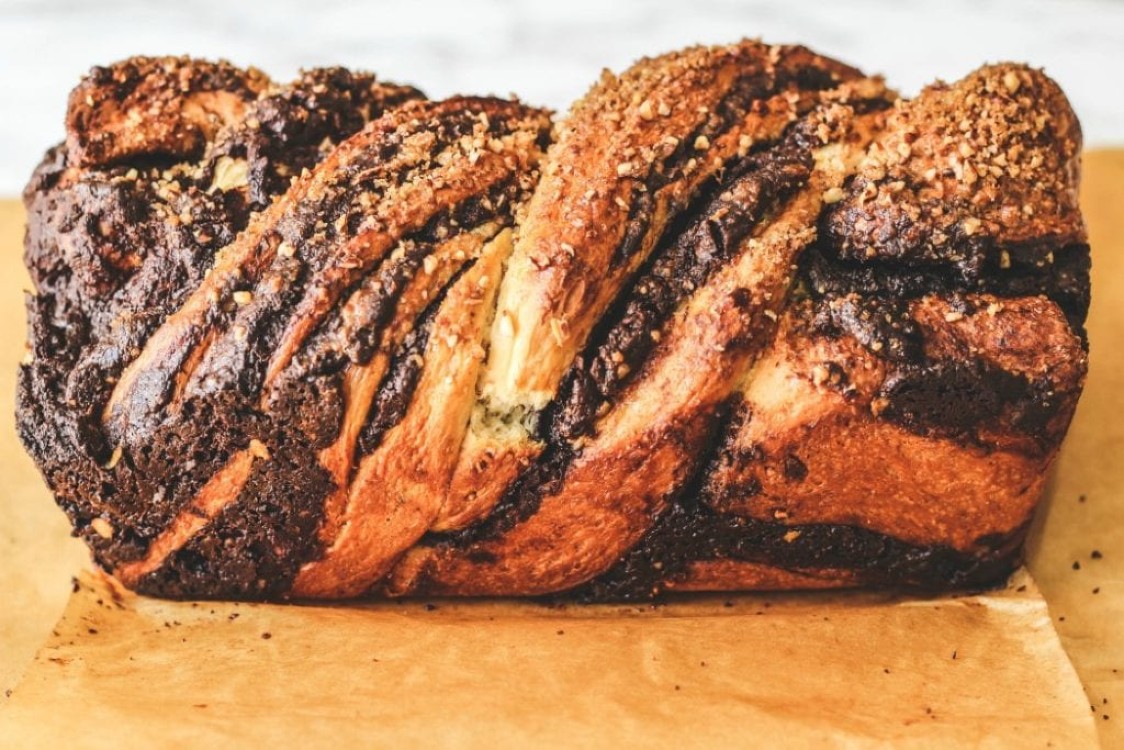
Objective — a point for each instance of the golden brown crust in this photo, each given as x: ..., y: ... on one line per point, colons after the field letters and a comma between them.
x: 993, y: 156
x: 165, y: 106
x: 668, y: 122
x: 750, y: 321
x: 739, y: 575
x: 645, y: 449
x: 628, y: 159
x: 815, y: 405
x: 399, y: 489
x: 403, y: 193
x: 501, y: 145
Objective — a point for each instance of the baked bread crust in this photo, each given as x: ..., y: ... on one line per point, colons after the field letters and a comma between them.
x: 744, y: 319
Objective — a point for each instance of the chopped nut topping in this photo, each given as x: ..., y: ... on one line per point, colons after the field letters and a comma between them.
x: 953, y: 316
x: 624, y: 169
x: 702, y: 143
x: 971, y: 225
x: 258, y: 449
x: 879, y: 405
x: 429, y: 264
x: 230, y: 174
x: 833, y: 195
x: 793, y: 535
x: 1011, y: 81
x: 115, y: 458
x: 102, y: 527
x: 243, y: 298
x: 664, y: 110
x: 645, y: 110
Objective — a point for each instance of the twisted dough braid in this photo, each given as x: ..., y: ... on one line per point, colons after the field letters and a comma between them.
x: 743, y: 319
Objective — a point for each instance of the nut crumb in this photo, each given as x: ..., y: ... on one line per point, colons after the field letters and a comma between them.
x: 102, y: 527
x: 1011, y: 81
x: 833, y: 195
x: 258, y: 449
x: 115, y: 458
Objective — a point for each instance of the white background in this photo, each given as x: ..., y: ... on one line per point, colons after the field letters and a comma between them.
x: 547, y: 52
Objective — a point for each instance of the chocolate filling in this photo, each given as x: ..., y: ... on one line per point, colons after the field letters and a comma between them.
x: 690, y: 530
x: 396, y: 390
x: 706, y: 237
x: 520, y: 502
x: 113, y: 251
x: 338, y: 342
x: 687, y: 534
x: 255, y: 546
x: 291, y: 130
x: 747, y: 91
x: 1060, y: 273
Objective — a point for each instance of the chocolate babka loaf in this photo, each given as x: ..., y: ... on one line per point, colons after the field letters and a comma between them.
x: 743, y: 318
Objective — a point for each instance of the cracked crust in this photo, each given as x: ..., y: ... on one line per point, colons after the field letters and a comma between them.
x: 746, y: 319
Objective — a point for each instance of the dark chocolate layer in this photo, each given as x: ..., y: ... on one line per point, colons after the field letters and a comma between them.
x: 705, y: 238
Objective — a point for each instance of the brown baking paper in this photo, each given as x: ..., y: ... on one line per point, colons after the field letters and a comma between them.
x: 122, y: 671
x: 852, y: 669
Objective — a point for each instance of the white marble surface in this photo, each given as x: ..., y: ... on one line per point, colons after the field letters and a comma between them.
x: 547, y: 52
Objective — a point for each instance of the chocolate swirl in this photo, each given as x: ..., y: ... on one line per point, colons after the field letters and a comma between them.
x: 743, y: 318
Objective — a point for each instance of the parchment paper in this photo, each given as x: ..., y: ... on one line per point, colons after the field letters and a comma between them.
x: 801, y: 670
x: 788, y: 671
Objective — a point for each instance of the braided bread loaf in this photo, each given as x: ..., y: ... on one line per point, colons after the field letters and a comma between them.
x: 743, y: 319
